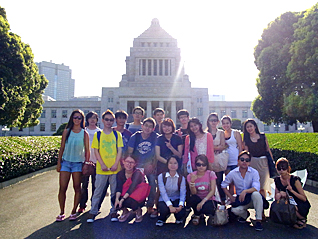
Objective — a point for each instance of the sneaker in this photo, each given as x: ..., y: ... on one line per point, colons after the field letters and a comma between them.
x: 90, y: 218
x: 258, y: 226
x: 179, y: 221
x: 114, y: 217
x: 159, y: 223
x: 242, y: 220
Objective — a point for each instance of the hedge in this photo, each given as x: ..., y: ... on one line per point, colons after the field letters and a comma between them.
x: 301, y: 150
x: 23, y: 155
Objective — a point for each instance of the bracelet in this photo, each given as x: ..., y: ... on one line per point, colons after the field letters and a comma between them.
x: 192, y: 183
x: 205, y: 199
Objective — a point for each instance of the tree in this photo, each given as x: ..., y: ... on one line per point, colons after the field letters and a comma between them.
x: 301, y: 98
x: 21, y: 86
x: 271, y: 59
x: 60, y: 129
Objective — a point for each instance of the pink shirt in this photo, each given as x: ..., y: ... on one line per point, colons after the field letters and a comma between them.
x: 203, y: 184
x: 209, y: 150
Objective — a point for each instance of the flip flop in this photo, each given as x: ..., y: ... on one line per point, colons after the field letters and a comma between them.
x: 124, y: 217
x: 73, y: 217
x: 60, y: 218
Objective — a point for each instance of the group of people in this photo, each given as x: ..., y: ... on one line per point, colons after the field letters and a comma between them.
x: 176, y: 164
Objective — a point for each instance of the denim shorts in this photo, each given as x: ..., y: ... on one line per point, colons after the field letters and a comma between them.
x: 71, y: 167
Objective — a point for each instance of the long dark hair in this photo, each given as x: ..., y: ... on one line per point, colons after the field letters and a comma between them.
x: 176, y: 158
x: 192, y: 137
x: 209, y: 129
x: 90, y: 115
x: 70, y: 123
x: 247, y: 134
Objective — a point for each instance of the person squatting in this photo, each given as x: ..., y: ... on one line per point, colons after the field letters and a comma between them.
x: 170, y: 171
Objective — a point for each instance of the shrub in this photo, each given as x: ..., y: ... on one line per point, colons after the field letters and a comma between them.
x: 23, y: 155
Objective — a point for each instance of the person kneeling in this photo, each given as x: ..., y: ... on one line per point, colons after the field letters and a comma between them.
x: 172, y: 193
x: 246, y: 182
x: 202, y: 186
x: 130, y: 178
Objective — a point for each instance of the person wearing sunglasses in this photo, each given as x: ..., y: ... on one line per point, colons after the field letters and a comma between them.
x: 108, y: 151
x: 247, y: 185
x: 291, y: 184
x: 202, y: 184
x: 73, y: 152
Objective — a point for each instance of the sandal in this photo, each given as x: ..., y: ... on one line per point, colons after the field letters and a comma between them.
x: 196, y: 220
x: 138, y: 218
x: 124, y: 216
x: 60, y: 218
x: 73, y: 217
x: 300, y: 224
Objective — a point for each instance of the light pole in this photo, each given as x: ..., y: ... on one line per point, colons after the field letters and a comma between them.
x: 301, y: 128
x: 5, y: 130
x: 276, y: 127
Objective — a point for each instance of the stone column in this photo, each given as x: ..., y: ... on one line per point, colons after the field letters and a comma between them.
x: 161, y: 104
x: 174, y: 111
x: 149, y: 110
x: 136, y: 103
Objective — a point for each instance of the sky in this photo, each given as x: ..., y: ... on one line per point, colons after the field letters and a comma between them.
x: 93, y: 38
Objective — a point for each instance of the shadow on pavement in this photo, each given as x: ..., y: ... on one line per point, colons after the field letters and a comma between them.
x: 104, y: 228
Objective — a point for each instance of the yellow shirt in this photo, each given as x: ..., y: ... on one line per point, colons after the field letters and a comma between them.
x: 107, y: 151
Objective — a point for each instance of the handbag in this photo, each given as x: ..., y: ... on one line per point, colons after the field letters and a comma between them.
x: 283, y: 212
x: 89, y: 168
x: 189, y: 165
x: 220, y: 217
x: 140, y: 193
x: 271, y: 166
x: 220, y: 161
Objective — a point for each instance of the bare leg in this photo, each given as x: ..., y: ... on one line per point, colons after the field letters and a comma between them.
x: 77, y: 176
x: 64, y: 180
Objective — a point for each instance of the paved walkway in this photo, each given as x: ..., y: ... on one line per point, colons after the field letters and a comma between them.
x: 28, y: 210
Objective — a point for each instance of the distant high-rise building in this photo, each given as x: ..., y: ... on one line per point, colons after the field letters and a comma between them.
x: 61, y: 85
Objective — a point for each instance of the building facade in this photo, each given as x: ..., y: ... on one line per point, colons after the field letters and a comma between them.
x: 61, y: 85
x: 154, y: 78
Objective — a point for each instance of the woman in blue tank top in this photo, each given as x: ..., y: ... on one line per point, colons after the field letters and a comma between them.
x: 73, y: 152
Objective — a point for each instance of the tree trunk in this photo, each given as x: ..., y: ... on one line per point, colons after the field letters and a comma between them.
x: 315, y: 125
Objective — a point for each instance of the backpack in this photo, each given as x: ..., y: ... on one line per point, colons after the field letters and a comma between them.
x: 116, y: 136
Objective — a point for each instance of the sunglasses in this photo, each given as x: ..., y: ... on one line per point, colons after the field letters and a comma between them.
x: 200, y: 165
x: 281, y: 168
x: 77, y: 117
x: 111, y: 120
x: 247, y: 160
x: 213, y: 120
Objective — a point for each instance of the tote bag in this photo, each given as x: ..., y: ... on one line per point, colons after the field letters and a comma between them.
x: 140, y: 193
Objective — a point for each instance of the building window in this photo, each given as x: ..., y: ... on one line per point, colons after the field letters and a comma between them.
x: 166, y: 67
x: 64, y: 113
x: 142, y: 44
x: 223, y: 112
x: 43, y: 114
x: 154, y: 67
x: 149, y: 67
x: 244, y: 114
x: 266, y: 127
x: 53, y: 127
x: 31, y: 128
x: 200, y: 111
x: 110, y: 100
x: 286, y: 127
x: 199, y: 100
x: 155, y: 44
x: 167, y: 45
x: 160, y: 67
x: 53, y: 113
x: 42, y: 127
x: 233, y: 113
x: 143, y: 67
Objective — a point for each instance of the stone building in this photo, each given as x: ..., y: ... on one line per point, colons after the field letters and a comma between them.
x: 154, y: 78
